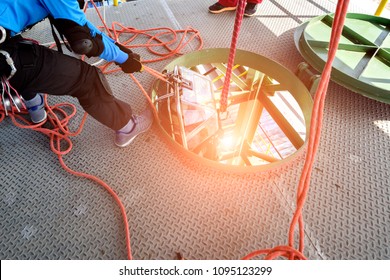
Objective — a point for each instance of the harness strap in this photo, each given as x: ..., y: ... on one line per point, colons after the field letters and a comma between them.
x: 58, y: 43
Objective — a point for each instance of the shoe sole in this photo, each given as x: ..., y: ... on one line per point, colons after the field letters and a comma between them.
x: 43, y: 119
x: 248, y: 15
x: 223, y: 10
x: 131, y: 139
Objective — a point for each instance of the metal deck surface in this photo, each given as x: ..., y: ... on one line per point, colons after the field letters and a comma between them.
x: 176, y: 205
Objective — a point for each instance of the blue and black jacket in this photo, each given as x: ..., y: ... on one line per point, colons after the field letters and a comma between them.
x: 17, y: 15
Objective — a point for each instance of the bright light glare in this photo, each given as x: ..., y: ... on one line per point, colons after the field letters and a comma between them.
x: 227, y: 141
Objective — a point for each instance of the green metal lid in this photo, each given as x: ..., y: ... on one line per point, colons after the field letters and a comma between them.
x: 362, y: 62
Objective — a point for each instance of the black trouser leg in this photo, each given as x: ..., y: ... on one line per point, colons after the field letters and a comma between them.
x: 42, y: 70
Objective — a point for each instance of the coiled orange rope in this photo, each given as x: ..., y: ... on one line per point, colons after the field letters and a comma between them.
x: 179, y: 40
x: 59, y: 120
x: 314, y: 139
x: 61, y: 132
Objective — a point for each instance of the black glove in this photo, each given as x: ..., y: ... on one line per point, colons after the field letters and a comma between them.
x: 133, y: 63
x: 5, y: 69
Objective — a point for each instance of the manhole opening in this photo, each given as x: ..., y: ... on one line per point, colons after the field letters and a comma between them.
x: 264, y: 123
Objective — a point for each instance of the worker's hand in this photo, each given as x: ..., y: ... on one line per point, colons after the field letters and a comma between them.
x: 133, y: 63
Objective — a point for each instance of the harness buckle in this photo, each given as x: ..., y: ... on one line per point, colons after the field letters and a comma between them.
x: 3, y: 35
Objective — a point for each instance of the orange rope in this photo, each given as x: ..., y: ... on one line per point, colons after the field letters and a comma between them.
x: 286, y: 251
x: 313, y: 143
x: 155, y: 38
x: 281, y: 251
x: 180, y: 39
x: 232, y: 54
x: 60, y: 133
x: 100, y: 16
x: 146, y: 96
x: 317, y: 119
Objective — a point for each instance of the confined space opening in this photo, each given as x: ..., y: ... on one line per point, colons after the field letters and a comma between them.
x: 264, y: 123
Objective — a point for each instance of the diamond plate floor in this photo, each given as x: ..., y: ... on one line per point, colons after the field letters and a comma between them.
x: 175, y: 205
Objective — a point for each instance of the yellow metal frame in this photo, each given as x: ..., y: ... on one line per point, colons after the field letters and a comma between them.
x: 381, y: 7
x: 287, y: 81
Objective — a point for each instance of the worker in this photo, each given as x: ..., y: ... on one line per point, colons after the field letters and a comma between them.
x: 231, y: 5
x: 43, y: 70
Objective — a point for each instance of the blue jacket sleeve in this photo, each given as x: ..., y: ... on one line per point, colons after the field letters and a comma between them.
x: 111, y: 52
x: 69, y: 9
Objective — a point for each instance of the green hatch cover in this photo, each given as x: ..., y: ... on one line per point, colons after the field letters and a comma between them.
x: 362, y: 61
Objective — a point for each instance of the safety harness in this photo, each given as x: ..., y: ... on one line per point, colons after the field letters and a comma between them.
x: 4, y: 36
x: 9, y: 96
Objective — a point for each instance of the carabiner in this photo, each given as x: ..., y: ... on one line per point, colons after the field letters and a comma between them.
x: 10, y: 63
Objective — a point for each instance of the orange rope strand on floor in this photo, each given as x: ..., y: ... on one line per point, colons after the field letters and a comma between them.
x: 173, y: 47
x: 313, y: 143
x: 60, y: 133
x: 165, y: 38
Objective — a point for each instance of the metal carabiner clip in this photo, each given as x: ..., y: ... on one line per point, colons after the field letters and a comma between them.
x: 3, y: 35
x: 10, y: 63
x: 5, y: 101
x: 10, y: 98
